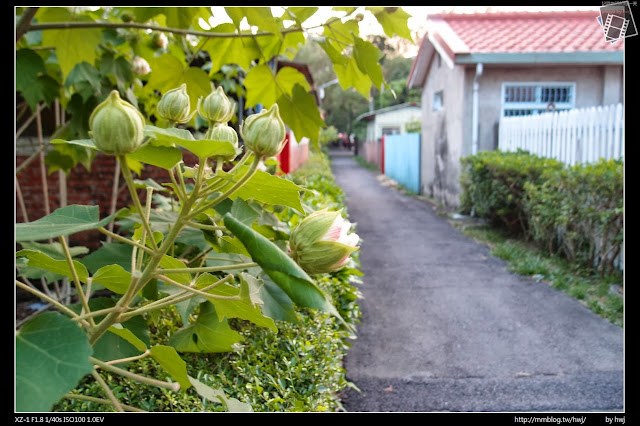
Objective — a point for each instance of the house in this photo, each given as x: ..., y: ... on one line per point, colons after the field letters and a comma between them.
x: 386, y: 121
x: 474, y: 69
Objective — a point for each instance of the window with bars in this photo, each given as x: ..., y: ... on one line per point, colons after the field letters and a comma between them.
x: 536, y: 98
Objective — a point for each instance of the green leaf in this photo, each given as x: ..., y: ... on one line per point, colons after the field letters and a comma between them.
x: 52, y: 355
x: 276, y: 303
x: 367, y: 56
x: 281, y: 268
x: 167, y: 137
x: 349, y: 75
x: 301, y: 114
x: 300, y: 14
x: 342, y: 32
x: 74, y: 46
x: 118, y: 68
x: 114, y: 278
x: 61, y: 267
x: 108, y: 254
x: 207, y: 334
x: 263, y: 89
x: 332, y: 52
x: 394, y: 23
x: 55, y: 250
x: 203, y: 148
x: 168, y: 73
x: 260, y: 17
x: 231, y: 404
x: 169, y: 359
x: 242, y: 211
x: 230, y: 50
x: 243, y: 308
x: 184, y: 17
x: 169, y: 262
x: 128, y: 335
x: 85, y: 78
x: 267, y: 188
x: 32, y: 80
x: 159, y: 156
x: 63, y: 221
x: 86, y: 143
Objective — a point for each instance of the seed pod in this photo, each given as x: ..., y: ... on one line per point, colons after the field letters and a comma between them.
x: 116, y: 126
x: 264, y: 133
x: 216, y: 107
x: 175, y: 105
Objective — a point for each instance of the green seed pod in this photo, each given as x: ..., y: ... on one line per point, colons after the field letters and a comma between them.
x: 116, y: 126
x: 264, y: 133
x: 175, y: 105
x: 216, y: 107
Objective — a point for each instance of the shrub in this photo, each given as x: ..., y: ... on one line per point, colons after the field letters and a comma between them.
x: 579, y: 210
x: 493, y: 185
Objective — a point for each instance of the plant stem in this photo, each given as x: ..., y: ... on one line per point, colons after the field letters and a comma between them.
x: 252, y: 170
x: 107, y: 390
x: 129, y: 359
x: 76, y: 279
x: 126, y: 172
x: 51, y: 300
x: 207, y: 227
x: 142, y: 379
x: 125, y: 240
x: 199, y: 292
x: 99, y: 312
x: 100, y: 401
x: 209, y: 268
x: 171, y: 300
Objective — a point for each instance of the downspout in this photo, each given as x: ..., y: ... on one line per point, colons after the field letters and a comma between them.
x: 475, y: 124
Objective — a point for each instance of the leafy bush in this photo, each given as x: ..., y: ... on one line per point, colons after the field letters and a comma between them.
x: 493, y: 185
x: 579, y: 210
x: 297, y: 369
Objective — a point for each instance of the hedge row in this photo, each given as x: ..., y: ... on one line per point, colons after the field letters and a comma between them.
x: 576, y: 211
x: 299, y: 368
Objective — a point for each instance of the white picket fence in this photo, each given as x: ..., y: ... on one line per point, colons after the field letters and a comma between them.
x: 572, y: 136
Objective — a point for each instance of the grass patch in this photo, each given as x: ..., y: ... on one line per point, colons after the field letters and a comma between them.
x: 599, y: 293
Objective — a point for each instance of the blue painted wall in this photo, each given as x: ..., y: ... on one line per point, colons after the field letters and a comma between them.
x: 402, y: 159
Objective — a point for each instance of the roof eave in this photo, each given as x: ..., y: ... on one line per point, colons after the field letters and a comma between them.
x: 602, y: 58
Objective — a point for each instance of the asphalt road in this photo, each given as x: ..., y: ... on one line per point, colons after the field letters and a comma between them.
x: 446, y: 327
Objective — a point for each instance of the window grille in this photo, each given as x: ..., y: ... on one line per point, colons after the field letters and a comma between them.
x: 536, y: 98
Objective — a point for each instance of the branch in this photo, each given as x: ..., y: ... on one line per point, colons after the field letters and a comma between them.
x: 25, y: 22
x: 76, y: 25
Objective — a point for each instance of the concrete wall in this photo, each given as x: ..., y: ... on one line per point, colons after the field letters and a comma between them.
x: 447, y: 134
x: 595, y: 85
x: 442, y: 133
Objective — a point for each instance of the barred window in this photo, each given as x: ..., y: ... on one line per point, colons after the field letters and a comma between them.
x: 536, y: 98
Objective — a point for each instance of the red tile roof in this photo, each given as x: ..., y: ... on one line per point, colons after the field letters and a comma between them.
x: 522, y: 32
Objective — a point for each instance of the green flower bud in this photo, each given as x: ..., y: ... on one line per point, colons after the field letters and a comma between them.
x: 175, y: 105
x: 116, y: 126
x: 320, y: 242
x: 264, y: 133
x: 216, y: 107
x: 225, y: 133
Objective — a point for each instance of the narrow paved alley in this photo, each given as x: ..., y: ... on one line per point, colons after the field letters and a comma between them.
x: 446, y: 327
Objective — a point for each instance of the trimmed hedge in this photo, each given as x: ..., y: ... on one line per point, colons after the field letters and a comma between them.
x: 493, y: 185
x: 574, y: 211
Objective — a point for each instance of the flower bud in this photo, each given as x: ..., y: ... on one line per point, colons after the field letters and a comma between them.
x: 175, y: 105
x: 116, y: 126
x: 160, y: 40
x: 140, y: 66
x: 264, y: 133
x: 225, y: 133
x: 320, y: 242
x: 216, y: 107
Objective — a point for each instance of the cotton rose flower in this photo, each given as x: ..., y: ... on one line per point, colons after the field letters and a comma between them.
x: 140, y: 66
x: 322, y: 242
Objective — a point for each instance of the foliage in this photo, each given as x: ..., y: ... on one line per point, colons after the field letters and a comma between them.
x: 297, y: 369
x: 493, y: 185
x: 576, y: 211
x: 579, y: 210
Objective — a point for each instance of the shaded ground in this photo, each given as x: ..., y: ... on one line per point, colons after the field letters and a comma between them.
x: 446, y: 327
